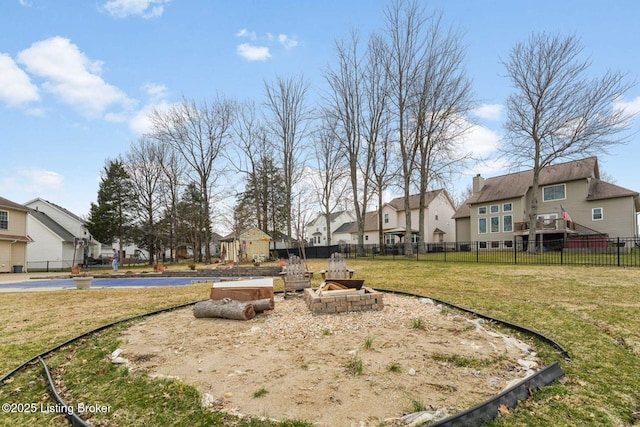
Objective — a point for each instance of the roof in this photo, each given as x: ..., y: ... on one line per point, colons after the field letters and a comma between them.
x: 414, y: 200
x: 60, y: 208
x: 56, y: 228
x: 242, y: 235
x: 6, y: 203
x: 332, y: 216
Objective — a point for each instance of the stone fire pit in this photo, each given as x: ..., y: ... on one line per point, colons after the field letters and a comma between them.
x: 321, y: 301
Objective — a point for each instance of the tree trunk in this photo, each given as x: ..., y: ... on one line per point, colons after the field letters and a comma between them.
x: 226, y: 309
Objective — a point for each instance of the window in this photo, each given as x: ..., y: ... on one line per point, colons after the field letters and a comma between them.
x: 482, y: 210
x: 390, y: 239
x: 366, y: 237
x: 507, y: 223
x: 386, y: 218
x: 495, y: 224
x: 597, y: 214
x: 483, y: 245
x: 495, y: 208
x: 495, y: 245
x: 436, y: 215
x: 482, y: 225
x: 414, y: 238
x: 4, y: 220
x: 507, y: 207
x: 554, y: 192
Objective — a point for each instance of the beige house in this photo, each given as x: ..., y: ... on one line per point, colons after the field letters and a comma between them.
x: 438, y: 223
x: 13, y: 236
x: 249, y: 245
x: 317, y: 230
x: 572, y: 201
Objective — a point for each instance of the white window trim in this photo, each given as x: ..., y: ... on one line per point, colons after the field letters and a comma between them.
x: 485, y: 225
x: 593, y: 211
x: 503, y: 229
x: 490, y: 224
x: 507, y: 210
x: 482, y: 207
x: 554, y: 185
x: 8, y: 220
x: 491, y: 211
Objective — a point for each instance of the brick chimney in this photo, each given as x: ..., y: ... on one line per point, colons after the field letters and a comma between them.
x: 478, y: 183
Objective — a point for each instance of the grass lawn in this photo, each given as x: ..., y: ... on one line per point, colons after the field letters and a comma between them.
x: 594, y: 312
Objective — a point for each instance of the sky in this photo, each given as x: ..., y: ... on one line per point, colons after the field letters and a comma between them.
x: 79, y: 78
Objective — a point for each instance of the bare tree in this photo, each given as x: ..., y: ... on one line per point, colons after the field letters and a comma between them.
x: 405, y: 23
x: 173, y: 168
x: 443, y: 100
x: 556, y: 110
x: 376, y: 124
x: 142, y: 163
x: 331, y: 170
x: 199, y: 132
x: 344, y: 107
x: 287, y: 120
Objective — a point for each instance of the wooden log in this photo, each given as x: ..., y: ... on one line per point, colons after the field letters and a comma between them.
x: 261, y: 305
x: 225, y: 308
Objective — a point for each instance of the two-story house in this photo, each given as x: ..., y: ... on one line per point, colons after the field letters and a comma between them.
x: 59, y: 236
x: 13, y: 236
x: 572, y: 200
x: 438, y: 223
x: 318, y: 229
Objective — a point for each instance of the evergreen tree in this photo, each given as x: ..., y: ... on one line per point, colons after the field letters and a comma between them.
x: 110, y: 218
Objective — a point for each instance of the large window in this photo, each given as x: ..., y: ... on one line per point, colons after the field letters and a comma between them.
x: 495, y: 224
x: 4, y: 220
x: 482, y: 225
x: 390, y: 239
x: 597, y: 214
x: 495, y: 209
x: 507, y: 207
x: 554, y: 192
x: 507, y: 223
x: 482, y: 210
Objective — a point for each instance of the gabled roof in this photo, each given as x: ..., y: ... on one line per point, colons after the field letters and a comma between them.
x: 6, y: 203
x: 49, y: 223
x: 60, y: 208
x: 233, y: 236
x: 332, y: 216
x: 414, y: 200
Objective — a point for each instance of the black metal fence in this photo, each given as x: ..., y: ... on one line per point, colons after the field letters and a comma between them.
x: 601, y: 251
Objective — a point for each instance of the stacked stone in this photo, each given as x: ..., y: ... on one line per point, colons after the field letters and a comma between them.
x: 356, y: 301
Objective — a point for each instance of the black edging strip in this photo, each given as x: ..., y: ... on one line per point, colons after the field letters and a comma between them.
x: 475, y: 415
x: 69, y: 412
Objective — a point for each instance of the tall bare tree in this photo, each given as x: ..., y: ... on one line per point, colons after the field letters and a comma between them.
x: 173, y: 168
x: 404, y: 29
x: 344, y: 108
x: 200, y: 133
x: 556, y: 110
x: 330, y: 186
x: 443, y: 101
x: 287, y: 119
x: 142, y: 163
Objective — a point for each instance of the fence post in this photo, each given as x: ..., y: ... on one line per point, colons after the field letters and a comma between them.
x: 477, y: 251
x: 444, y: 245
x: 618, y: 252
x: 515, y: 252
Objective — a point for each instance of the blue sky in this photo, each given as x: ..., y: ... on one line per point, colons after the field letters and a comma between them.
x: 77, y: 78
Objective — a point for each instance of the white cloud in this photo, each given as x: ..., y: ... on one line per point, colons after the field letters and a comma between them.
x: 140, y: 123
x: 32, y: 181
x: 145, y: 8
x: 481, y: 141
x: 69, y: 74
x: 253, y: 53
x: 489, y: 111
x: 287, y: 41
x: 15, y: 86
x: 26, y: 3
x: 246, y: 33
x: 631, y: 107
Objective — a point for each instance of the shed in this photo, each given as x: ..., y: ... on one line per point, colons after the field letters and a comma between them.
x: 251, y: 244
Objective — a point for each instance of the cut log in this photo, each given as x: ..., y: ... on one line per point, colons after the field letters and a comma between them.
x: 261, y: 305
x: 226, y: 309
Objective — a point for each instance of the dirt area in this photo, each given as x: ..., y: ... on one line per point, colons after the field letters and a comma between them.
x: 290, y: 364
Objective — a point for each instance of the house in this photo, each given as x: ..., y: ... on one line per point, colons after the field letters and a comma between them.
x: 248, y: 245
x: 13, y: 236
x: 58, y: 235
x: 572, y: 201
x: 318, y: 228
x: 438, y: 223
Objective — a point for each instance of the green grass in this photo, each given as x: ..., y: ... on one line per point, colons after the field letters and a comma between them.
x: 594, y: 312
x: 354, y: 366
x: 368, y: 343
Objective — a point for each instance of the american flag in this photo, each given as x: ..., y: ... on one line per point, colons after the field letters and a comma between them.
x: 565, y: 215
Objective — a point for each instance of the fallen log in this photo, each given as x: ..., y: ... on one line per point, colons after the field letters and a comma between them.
x: 261, y: 305
x: 224, y: 308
